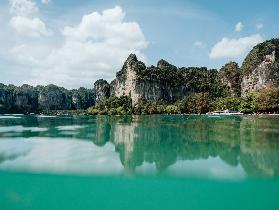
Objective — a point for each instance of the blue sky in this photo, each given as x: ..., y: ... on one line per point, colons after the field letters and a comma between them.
x: 64, y: 42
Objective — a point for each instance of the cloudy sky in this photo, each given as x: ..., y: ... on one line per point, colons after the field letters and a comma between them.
x: 73, y: 43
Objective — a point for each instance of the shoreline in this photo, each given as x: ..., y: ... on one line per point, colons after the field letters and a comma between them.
x: 86, y: 114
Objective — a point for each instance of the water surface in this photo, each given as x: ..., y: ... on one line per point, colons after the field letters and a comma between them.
x: 139, y: 162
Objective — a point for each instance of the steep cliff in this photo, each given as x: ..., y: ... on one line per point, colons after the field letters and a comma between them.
x: 102, y: 90
x: 231, y: 78
x: 261, y: 67
x: 28, y: 99
x: 165, y: 82
x: 126, y: 82
x: 25, y: 99
x: 52, y: 97
x: 6, y: 98
x: 82, y: 98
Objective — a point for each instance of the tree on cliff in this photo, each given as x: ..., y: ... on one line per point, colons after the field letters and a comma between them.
x: 231, y: 78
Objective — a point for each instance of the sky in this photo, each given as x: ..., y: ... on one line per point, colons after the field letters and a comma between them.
x: 73, y: 43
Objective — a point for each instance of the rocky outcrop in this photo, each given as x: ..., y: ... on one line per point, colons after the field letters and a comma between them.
x: 231, y: 78
x: 82, y: 98
x: 168, y: 83
x: 127, y: 79
x: 260, y: 77
x: 102, y: 90
x: 161, y: 83
x: 6, y: 98
x: 261, y: 67
x: 53, y: 97
x: 25, y: 99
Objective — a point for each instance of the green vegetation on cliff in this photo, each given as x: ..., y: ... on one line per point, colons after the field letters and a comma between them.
x: 258, y: 54
x: 28, y: 99
x: 196, y: 79
x: 230, y: 75
x: 113, y: 106
x: 263, y: 101
x: 267, y: 100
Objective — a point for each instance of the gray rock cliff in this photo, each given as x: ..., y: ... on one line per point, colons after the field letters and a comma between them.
x: 261, y: 67
x: 25, y: 99
x: 82, y: 98
x: 53, y: 97
x: 151, y: 83
x: 102, y: 90
x: 6, y: 98
x: 230, y: 75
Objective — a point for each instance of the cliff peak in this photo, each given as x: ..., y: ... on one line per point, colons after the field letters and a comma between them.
x: 163, y: 64
x: 132, y: 57
x: 100, y: 82
x: 102, y: 90
x: 261, y: 67
x: 266, y: 52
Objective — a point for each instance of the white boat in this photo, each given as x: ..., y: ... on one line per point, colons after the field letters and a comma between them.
x: 226, y: 112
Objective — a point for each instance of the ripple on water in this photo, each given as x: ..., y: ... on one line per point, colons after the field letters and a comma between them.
x: 69, y: 127
x: 9, y: 117
x: 20, y: 128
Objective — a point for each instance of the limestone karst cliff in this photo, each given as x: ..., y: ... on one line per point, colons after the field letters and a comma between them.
x: 169, y: 83
x: 231, y: 78
x: 139, y: 82
x: 261, y: 67
x: 102, y: 90
x: 27, y: 99
x: 164, y: 82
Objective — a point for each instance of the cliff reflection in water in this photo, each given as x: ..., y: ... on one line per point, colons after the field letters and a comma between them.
x: 203, y: 145
x: 251, y: 142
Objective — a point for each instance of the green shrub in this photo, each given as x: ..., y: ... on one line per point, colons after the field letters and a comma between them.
x: 248, y: 103
x: 268, y: 99
x: 113, y: 106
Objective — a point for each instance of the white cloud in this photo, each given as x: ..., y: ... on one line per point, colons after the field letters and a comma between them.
x: 199, y: 44
x: 33, y: 27
x: 239, y: 26
x: 24, y: 8
x: 233, y: 48
x: 22, y: 55
x: 95, y: 48
x: 25, y: 21
x: 46, y: 1
x: 259, y: 26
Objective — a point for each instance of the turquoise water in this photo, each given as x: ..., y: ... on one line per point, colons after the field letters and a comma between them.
x: 139, y: 162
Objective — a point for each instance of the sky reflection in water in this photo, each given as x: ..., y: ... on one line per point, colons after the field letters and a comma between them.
x: 219, y: 148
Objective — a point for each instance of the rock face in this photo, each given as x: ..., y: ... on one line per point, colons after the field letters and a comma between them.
x: 6, y: 98
x: 25, y: 99
x: 150, y: 84
x: 102, y: 90
x: 260, y: 77
x: 53, y: 97
x: 231, y: 77
x: 126, y: 80
x: 82, y: 98
x: 261, y: 67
